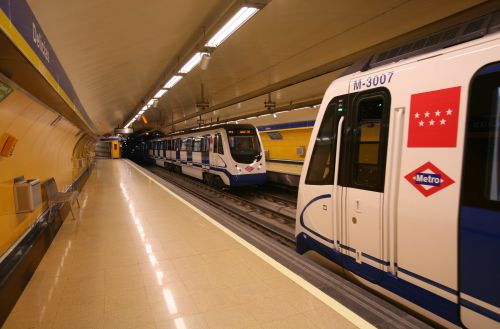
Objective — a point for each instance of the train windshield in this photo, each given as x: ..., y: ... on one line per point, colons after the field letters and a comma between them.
x: 244, y: 145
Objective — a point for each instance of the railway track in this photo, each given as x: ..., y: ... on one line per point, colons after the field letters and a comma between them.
x: 273, y: 220
x: 287, y: 201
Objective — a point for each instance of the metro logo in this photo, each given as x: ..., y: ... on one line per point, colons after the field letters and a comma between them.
x: 434, y: 118
x: 428, y: 179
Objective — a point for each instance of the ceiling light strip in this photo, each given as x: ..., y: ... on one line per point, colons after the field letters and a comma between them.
x: 172, y: 82
x: 243, y: 15
x: 195, y: 60
x: 160, y: 93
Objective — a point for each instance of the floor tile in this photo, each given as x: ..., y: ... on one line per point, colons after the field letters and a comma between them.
x: 136, y: 257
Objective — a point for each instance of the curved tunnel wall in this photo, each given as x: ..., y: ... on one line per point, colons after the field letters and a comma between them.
x: 42, y: 151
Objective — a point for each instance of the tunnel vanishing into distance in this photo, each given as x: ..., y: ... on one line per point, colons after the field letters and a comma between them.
x: 109, y: 100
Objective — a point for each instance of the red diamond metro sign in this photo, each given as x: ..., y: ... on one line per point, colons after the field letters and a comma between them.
x: 428, y: 179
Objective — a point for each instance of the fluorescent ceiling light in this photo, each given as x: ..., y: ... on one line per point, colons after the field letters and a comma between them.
x: 144, y: 108
x: 141, y: 112
x: 151, y: 101
x: 170, y: 83
x: 195, y: 60
x: 234, y: 23
x: 160, y: 93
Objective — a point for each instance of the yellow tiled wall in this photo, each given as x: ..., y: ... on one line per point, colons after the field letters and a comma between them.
x: 285, y: 148
x: 42, y: 151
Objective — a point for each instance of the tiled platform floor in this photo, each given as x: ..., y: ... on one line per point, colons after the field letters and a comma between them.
x: 136, y: 257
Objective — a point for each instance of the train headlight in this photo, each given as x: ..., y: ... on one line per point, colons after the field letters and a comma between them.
x: 238, y: 168
x: 260, y: 166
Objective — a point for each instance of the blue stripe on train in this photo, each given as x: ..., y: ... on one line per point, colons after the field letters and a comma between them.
x: 481, y: 310
x: 242, y: 180
x: 300, y: 124
x: 413, y: 293
x: 235, y: 180
x: 479, y: 247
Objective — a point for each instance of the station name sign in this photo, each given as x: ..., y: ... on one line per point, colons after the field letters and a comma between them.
x: 40, y: 42
x: 20, y: 25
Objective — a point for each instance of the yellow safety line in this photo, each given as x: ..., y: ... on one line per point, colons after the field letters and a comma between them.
x: 331, y: 302
x: 13, y: 34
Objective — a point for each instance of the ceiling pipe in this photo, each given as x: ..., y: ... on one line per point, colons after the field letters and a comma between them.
x: 196, y: 43
x: 346, y: 61
x: 289, y: 107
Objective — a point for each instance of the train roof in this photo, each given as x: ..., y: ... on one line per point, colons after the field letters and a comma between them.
x: 195, y: 131
x: 451, y: 36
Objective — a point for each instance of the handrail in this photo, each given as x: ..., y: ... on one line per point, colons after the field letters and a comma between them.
x: 394, y: 186
x: 335, y: 183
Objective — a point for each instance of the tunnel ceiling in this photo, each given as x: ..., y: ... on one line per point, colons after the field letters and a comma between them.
x: 117, y: 53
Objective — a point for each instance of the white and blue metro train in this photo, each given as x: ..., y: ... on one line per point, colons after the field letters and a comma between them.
x: 401, y: 180
x: 228, y: 155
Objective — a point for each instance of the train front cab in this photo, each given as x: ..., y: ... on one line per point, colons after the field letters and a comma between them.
x: 393, y: 204
x: 221, y: 157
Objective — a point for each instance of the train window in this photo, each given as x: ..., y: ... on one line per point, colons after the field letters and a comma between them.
x: 369, y: 152
x: 184, y: 144
x: 220, y: 149
x: 244, y: 145
x: 321, y: 164
x: 197, y: 145
x: 494, y: 151
x: 481, y: 180
x: 206, y: 143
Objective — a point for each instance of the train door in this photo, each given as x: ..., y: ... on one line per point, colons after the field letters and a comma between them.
x: 218, y: 151
x: 205, y: 151
x: 362, y: 186
x: 168, y: 154
x: 320, y: 192
x: 213, y: 155
x: 178, y: 150
x: 479, y: 226
x: 189, y: 151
